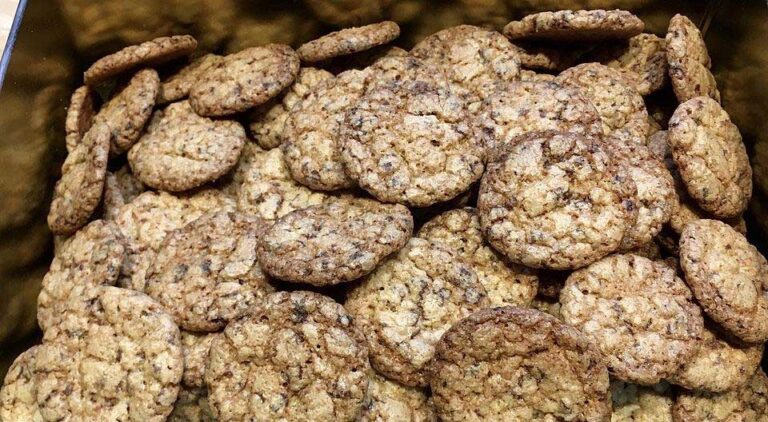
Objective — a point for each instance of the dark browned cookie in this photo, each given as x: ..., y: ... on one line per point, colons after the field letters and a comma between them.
x: 580, y: 25
x: 689, y: 61
x: 348, y: 41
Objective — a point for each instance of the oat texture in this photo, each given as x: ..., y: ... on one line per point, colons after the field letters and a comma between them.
x: 389, y: 401
x: 348, y: 41
x: 689, y: 61
x: 79, y: 116
x: 581, y: 25
x: 120, y: 188
x: 178, y: 85
x: 196, y: 347
x: 643, y: 58
x: 18, y: 395
x: 632, y: 402
x: 192, y: 406
x: 750, y: 403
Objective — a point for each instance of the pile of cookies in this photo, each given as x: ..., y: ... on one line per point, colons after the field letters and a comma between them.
x: 486, y: 227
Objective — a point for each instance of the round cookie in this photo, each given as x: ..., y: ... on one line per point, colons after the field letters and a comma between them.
x: 408, y: 139
x: 621, y: 108
x: 632, y: 402
x: 638, y: 313
x: 243, y: 80
x: 78, y: 192
x: 192, y: 406
x: 79, y: 116
x: 710, y: 156
x: 18, y: 395
x: 750, y: 403
x: 196, y: 347
x: 729, y: 278
x: 120, y: 188
x: 512, y: 363
x: 643, y: 57
x: 545, y: 57
x: 531, y: 76
x: 408, y: 302
x: 149, y: 53
x: 119, y: 358
x: 178, y: 85
x: 557, y: 201
x: 689, y: 61
x: 206, y: 274
x: 296, y: 356
x: 182, y: 150
x: 506, y: 283
x: 572, y: 26
x: 334, y: 243
x: 348, y: 41
x: 389, y: 401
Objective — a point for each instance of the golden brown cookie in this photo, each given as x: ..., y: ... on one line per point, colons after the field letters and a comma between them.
x: 18, y: 395
x: 178, y: 85
x: 689, y: 61
x: 389, y: 401
x: 642, y: 57
x: 547, y: 58
x: 196, y: 347
x: 348, y: 41
x: 192, y: 406
x: 580, y: 25
x: 750, y: 403
x: 120, y: 188
x: 632, y: 402
x: 79, y: 116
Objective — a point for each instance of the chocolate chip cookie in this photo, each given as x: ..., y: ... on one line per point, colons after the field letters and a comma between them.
x: 348, y: 41
x: 689, y: 61
x: 580, y: 25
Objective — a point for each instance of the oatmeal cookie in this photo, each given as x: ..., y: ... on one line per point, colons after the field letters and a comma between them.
x: 149, y: 53
x: 548, y: 306
x: 632, y: 402
x: 196, y: 347
x: 750, y: 403
x: 80, y: 114
x: 296, y: 356
x: 557, y: 201
x: 531, y: 76
x: 711, y: 157
x: 177, y: 86
x: 120, y: 188
x: 389, y: 401
x: 408, y: 302
x: 689, y: 61
x: 348, y: 41
x: 512, y: 363
x: 192, y: 406
x: 640, y: 315
x: 643, y: 57
x: 728, y: 276
x: 334, y: 243
x: 571, y: 26
x: 545, y: 57
x: 243, y: 80
x: 18, y: 395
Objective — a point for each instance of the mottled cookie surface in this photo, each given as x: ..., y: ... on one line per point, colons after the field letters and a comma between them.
x: 689, y: 61
x: 348, y: 41
x: 643, y: 58
x: 580, y: 25
x: 632, y: 402
x: 749, y: 403
x: 18, y: 395
x: 80, y: 114
x: 389, y: 401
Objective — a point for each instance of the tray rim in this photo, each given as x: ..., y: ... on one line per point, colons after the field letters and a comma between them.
x: 6, y: 56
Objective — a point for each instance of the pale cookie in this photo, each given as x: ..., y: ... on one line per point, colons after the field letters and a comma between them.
x: 557, y: 201
x: 643, y: 57
x: 632, y: 402
x: 621, y: 108
x: 78, y: 192
x: 408, y: 302
x: 506, y: 283
x: 750, y: 403
x: 149, y: 53
x: 178, y: 85
x: 192, y: 406
x: 120, y: 188
x: 129, y: 110
x: 711, y: 157
x: 18, y: 395
x: 196, y: 347
x: 119, y: 358
x: 206, y: 274
x: 348, y: 41
x: 571, y: 26
x: 334, y: 243
x: 311, y: 134
x: 512, y: 363
x: 90, y: 258
x: 640, y: 315
x: 728, y: 276
x: 297, y: 356
x: 689, y: 61
x: 526, y: 107
x: 182, y: 150
x: 79, y: 116
x: 408, y: 140
x: 243, y: 80
x: 389, y: 401
x: 146, y: 221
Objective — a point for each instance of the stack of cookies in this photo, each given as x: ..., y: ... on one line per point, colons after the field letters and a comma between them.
x: 486, y: 227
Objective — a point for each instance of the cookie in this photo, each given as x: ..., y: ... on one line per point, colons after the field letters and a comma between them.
x: 182, y: 151
x: 640, y: 315
x: 192, y: 406
x: 711, y: 157
x: 643, y: 58
x: 531, y: 76
x: 196, y: 347
x: 348, y: 41
x: 632, y: 402
x: 546, y: 58
x: 689, y: 61
x: 389, y: 401
x: 728, y: 276
x: 296, y: 356
x: 205, y: 273
x: 243, y: 80
x: 620, y: 107
x: 511, y: 363
x: 129, y: 110
x: 78, y: 192
x: 177, y: 86
x: 119, y: 358
x: 408, y: 302
x: 548, y: 306
x: 506, y: 283
x: 525, y: 107
x: 149, y: 53
x: 80, y: 114
x: 120, y: 188
x: 408, y: 139
x: 572, y: 26
x: 750, y: 403
x: 18, y: 395
x: 334, y: 243
x: 311, y: 134
x: 569, y: 206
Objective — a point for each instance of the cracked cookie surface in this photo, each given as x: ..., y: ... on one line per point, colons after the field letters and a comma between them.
x: 643, y: 57
x: 632, y: 402
x: 178, y: 85
x: 18, y: 395
x: 749, y: 403
x: 389, y: 401
x: 689, y: 61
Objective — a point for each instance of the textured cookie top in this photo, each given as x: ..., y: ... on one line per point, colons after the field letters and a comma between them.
x: 750, y: 403
x: 18, y: 395
x: 243, y: 80
x: 545, y: 57
x: 149, y: 53
x: 689, y: 61
x: 580, y: 25
x: 192, y: 406
x: 389, y: 401
x: 632, y: 402
x: 512, y: 363
x: 408, y: 302
x: 640, y: 315
x: 120, y: 188
x: 182, y: 150
x: 297, y: 356
x: 711, y: 157
x: 335, y: 242
x: 196, y: 347
x: 643, y: 58
x: 728, y: 276
x: 178, y: 85
x: 348, y: 41
x: 205, y: 273
x: 119, y: 358
x: 557, y: 201
x: 79, y: 116
x: 506, y: 283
